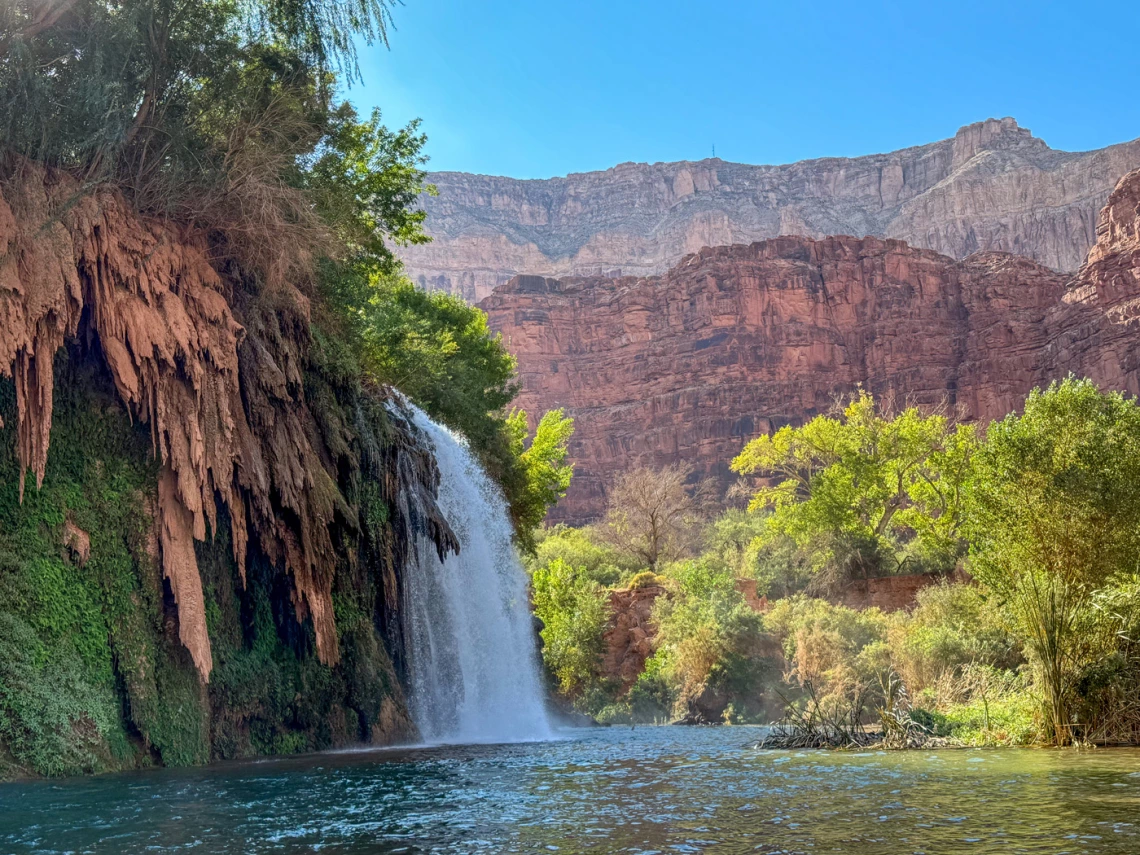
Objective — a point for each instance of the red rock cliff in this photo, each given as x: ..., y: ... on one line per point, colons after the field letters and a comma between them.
x: 738, y: 340
x: 630, y: 633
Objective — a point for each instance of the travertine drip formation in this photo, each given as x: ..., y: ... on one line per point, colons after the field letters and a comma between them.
x: 81, y: 262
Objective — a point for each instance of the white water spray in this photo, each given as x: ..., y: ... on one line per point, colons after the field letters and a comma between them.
x: 468, y: 633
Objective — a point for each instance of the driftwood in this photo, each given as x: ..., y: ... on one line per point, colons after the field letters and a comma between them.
x: 843, y: 727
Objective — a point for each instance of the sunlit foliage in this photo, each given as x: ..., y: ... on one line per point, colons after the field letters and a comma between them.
x: 1054, y: 519
x: 864, y: 492
x: 572, y: 608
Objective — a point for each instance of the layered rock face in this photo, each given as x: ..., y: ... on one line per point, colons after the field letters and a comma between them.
x: 892, y: 593
x: 993, y: 186
x: 739, y: 340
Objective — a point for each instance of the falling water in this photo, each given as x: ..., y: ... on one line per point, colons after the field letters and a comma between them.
x: 473, y: 669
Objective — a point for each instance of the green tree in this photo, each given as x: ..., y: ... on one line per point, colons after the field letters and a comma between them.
x: 432, y: 346
x: 581, y: 548
x: 1054, y: 516
x: 738, y: 538
x: 366, y: 180
x: 541, y: 474
x: 572, y: 608
x: 708, y: 639
x: 864, y: 491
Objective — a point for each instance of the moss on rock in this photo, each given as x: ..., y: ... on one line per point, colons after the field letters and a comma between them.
x: 93, y: 676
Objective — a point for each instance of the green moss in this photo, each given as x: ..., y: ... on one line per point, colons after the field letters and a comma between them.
x: 100, y: 680
x: 60, y: 711
x: 93, y: 676
x: 373, y: 509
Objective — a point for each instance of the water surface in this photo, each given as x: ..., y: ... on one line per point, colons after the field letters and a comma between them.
x: 649, y: 790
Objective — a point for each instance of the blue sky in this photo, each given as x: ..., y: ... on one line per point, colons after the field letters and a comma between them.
x: 547, y: 87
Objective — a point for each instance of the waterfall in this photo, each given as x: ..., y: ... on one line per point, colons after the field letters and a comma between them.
x: 468, y: 632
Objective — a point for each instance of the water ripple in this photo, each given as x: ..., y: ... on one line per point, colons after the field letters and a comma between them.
x: 649, y: 790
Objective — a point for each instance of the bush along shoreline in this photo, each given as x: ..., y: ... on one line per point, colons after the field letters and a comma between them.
x: 898, y: 580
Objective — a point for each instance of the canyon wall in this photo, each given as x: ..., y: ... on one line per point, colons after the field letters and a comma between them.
x: 738, y: 340
x: 993, y: 186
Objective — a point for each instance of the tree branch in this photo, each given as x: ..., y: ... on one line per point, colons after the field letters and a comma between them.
x: 47, y: 17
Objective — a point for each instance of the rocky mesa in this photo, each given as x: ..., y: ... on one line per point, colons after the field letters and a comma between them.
x: 992, y: 186
x: 738, y: 340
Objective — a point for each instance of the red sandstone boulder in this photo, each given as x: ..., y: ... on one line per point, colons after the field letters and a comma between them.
x: 629, y: 636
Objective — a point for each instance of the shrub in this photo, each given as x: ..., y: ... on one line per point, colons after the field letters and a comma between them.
x: 652, y: 699
x: 982, y: 705
x: 1054, y: 515
x: 838, y: 658
x: 1107, y: 702
x: 53, y: 719
x: 709, y: 640
x: 578, y: 547
x: 573, y: 611
x: 951, y: 627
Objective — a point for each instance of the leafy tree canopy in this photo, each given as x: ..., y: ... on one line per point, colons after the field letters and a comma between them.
x: 860, y: 487
x: 582, y: 548
x: 365, y: 180
x: 572, y: 608
x: 1054, y: 516
x: 540, y: 474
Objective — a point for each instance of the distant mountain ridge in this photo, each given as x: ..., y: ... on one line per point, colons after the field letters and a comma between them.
x: 736, y: 341
x: 992, y: 186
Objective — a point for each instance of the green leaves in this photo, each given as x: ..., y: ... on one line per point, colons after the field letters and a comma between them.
x: 365, y: 180
x: 541, y: 475
x: 1054, y: 517
x: 324, y: 31
x: 572, y: 608
x: 579, y: 548
x: 707, y: 635
x: 1058, y: 487
x: 882, y: 483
